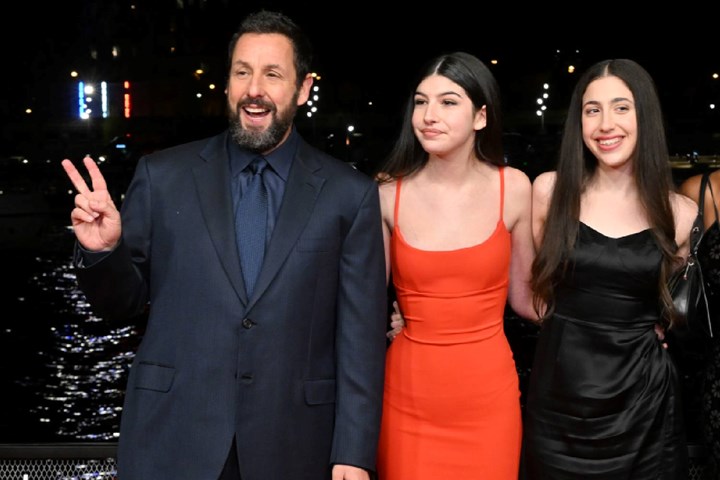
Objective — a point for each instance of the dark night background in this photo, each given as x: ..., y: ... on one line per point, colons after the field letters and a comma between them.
x: 61, y: 368
x: 365, y: 51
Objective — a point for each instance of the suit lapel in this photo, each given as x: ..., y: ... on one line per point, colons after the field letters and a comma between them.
x: 212, y: 179
x: 301, y: 192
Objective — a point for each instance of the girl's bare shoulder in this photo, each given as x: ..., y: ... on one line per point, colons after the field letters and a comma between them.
x: 544, y: 183
x: 515, y: 177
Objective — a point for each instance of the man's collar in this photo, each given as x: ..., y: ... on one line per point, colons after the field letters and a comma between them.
x: 279, y: 159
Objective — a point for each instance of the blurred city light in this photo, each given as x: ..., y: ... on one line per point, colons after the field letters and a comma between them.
x: 540, y: 112
x: 313, y: 98
x: 87, y: 95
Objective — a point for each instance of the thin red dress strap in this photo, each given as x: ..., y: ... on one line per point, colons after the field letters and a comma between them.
x: 397, y: 201
x: 502, y: 190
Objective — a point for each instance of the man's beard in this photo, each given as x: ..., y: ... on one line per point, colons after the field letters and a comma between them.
x: 262, y: 141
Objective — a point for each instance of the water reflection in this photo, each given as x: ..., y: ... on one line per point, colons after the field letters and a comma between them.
x: 65, y: 369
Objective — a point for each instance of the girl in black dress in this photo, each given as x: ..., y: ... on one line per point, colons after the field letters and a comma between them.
x: 604, y: 396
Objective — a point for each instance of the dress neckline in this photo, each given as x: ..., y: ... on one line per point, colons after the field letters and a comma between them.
x: 621, y: 237
x: 397, y: 233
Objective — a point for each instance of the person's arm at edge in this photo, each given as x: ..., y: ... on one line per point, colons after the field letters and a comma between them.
x: 518, y: 211
x: 387, y: 204
x: 114, y: 284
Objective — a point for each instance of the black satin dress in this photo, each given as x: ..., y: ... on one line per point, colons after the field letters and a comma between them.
x: 709, y: 256
x: 604, y: 395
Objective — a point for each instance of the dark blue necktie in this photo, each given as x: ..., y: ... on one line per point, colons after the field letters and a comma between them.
x: 251, y: 224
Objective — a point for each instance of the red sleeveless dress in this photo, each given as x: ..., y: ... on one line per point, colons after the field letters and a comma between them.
x: 451, y: 407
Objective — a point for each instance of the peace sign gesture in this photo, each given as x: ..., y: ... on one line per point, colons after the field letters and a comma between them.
x: 95, y: 218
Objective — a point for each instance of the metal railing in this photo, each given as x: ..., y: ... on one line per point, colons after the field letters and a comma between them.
x: 65, y: 461
x: 89, y: 461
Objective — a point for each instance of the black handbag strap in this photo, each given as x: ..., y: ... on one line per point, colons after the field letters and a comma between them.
x: 698, y: 228
x: 696, y: 235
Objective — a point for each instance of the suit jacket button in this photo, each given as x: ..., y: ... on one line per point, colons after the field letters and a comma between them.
x: 247, y: 323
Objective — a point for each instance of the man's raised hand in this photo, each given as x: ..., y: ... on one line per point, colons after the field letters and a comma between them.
x: 95, y: 218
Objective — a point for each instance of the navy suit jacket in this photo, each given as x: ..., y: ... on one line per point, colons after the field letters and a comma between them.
x: 296, y: 371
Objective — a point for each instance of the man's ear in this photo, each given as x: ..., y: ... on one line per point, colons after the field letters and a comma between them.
x: 304, y: 93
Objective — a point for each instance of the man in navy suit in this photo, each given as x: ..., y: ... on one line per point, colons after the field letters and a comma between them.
x: 284, y: 382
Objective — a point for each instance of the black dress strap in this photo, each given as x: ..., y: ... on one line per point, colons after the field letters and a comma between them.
x: 706, y: 181
x: 701, y: 194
